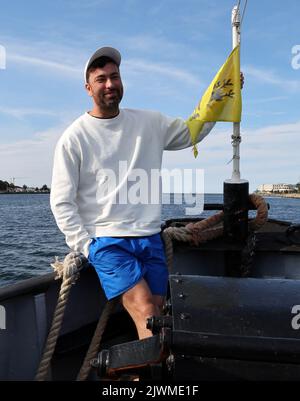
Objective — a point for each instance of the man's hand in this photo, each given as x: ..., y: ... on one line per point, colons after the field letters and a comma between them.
x: 242, y: 79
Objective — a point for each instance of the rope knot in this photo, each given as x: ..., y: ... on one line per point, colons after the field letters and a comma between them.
x: 70, y: 267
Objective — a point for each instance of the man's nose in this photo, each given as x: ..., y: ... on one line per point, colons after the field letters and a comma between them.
x: 109, y: 83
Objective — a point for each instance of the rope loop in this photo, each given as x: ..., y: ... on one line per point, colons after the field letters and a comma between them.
x: 209, y: 228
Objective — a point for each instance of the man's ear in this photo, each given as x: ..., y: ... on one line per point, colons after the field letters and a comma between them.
x: 88, y: 89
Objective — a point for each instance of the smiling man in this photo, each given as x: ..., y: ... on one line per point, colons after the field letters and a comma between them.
x: 105, y: 86
x: 120, y: 237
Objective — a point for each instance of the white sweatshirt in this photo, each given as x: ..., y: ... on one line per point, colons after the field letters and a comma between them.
x: 101, y: 182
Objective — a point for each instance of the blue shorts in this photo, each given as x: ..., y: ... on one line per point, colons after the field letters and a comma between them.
x: 121, y: 262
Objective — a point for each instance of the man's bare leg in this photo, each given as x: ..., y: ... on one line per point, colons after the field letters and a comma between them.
x: 159, y: 301
x: 140, y: 304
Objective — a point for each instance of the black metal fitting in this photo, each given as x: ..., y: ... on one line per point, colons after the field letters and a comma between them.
x: 156, y: 323
x: 101, y: 363
x: 167, y: 307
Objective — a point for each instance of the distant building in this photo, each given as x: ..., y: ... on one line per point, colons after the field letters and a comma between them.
x: 265, y: 188
x: 276, y: 188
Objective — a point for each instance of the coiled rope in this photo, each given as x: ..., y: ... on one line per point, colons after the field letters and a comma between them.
x: 210, y: 228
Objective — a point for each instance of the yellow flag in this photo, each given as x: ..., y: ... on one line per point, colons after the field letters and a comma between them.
x: 222, y: 99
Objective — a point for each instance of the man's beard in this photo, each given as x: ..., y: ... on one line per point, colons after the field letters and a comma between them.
x: 111, y: 103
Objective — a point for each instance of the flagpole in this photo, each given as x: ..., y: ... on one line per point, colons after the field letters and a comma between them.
x: 236, y: 190
x: 236, y: 138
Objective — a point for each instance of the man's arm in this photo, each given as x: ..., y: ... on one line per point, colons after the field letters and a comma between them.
x: 63, y: 195
x: 178, y: 134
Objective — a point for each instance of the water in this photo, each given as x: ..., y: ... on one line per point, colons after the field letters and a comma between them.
x: 30, y: 239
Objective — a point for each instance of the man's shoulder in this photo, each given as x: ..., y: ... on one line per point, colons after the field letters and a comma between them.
x: 74, y: 129
x: 142, y: 113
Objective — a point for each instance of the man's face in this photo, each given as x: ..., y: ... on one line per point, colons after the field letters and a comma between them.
x: 106, y: 88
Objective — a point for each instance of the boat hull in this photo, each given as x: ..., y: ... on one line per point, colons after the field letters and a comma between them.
x: 258, y: 306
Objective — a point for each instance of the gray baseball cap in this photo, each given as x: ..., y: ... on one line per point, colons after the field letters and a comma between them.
x: 110, y: 52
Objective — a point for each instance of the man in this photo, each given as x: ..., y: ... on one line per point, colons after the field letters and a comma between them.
x: 120, y: 237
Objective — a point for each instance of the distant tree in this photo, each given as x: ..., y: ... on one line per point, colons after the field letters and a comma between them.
x: 3, y: 185
x: 44, y: 188
x: 25, y: 188
x: 36, y: 189
x: 298, y: 186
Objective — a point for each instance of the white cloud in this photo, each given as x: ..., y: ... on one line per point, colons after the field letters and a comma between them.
x: 130, y: 66
x: 30, y: 158
x: 24, y: 112
x: 263, y: 113
x: 46, y: 64
x: 85, y: 4
x: 271, y: 130
x: 268, y: 154
x: 267, y: 99
x: 139, y: 65
x: 64, y: 61
x: 269, y: 77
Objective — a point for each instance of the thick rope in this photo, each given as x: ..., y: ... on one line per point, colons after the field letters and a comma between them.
x: 167, y: 238
x: 96, y: 340
x: 206, y: 229
x: 210, y: 228
x: 191, y: 233
x: 262, y: 212
x: 69, y: 272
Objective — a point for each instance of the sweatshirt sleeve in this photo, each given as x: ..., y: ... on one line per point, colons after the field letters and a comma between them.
x: 63, y: 195
x: 178, y: 135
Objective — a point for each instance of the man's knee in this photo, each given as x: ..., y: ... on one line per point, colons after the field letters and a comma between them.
x: 141, y: 307
x: 139, y: 301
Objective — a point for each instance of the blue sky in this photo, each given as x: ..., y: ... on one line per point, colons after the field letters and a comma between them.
x: 170, y: 50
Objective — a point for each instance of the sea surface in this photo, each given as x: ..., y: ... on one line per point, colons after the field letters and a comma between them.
x: 30, y: 239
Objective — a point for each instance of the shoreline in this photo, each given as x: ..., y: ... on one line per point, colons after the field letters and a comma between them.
x: 24, y: 193
x: 263, y: 194
x: 271, y: 195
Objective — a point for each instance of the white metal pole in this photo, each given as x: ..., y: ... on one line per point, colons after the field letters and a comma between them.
x: 236, y: 191
x: 236, y: 138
